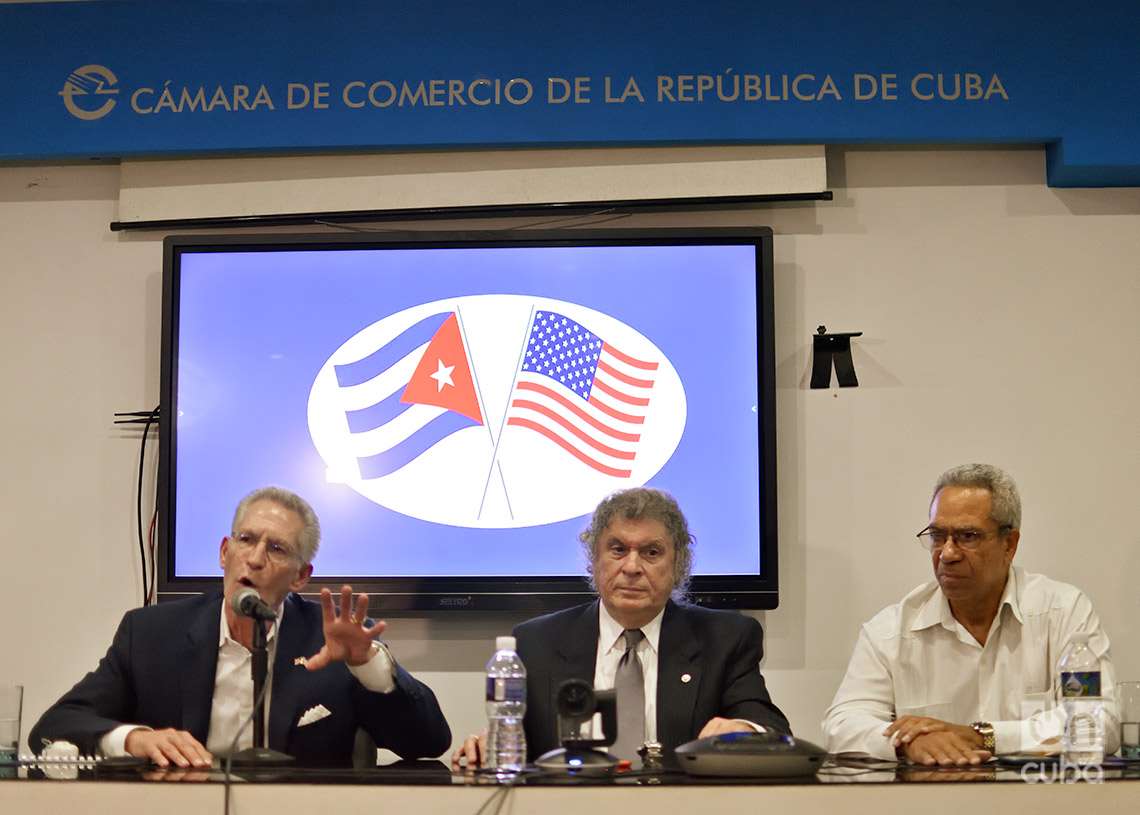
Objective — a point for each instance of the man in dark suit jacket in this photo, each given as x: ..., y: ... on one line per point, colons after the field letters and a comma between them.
x: 708, y: 677
x: 700, y: 668
x: 162, y: 692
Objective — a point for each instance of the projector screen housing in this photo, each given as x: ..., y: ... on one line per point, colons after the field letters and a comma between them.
x: 454, y: 404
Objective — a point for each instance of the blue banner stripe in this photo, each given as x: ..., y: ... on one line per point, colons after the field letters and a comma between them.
x: 82, y: 80
x: 377, y: 415
x: 412, y: 447
x: 384, y: 357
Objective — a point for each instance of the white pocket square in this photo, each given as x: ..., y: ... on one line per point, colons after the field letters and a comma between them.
x: 313, y: 714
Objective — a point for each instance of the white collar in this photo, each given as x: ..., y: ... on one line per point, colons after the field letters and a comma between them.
x: 224, y: 627
x: 936, y: 609
x: 610, y: 631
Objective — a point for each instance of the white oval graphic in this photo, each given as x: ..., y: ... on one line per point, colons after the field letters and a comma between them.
x: 495, y: 411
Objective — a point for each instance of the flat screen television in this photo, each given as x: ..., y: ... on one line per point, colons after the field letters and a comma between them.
x: 455, y: 404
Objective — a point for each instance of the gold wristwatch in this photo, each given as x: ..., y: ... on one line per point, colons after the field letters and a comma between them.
x: 986, y: 731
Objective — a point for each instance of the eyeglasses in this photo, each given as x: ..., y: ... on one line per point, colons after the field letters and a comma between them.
x: 968, y: 538
x: 277, y: 553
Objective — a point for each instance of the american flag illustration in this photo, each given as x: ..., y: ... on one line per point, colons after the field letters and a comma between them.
x: 582, y: 393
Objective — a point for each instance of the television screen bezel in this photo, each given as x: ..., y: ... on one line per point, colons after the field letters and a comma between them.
x: 526, y: 594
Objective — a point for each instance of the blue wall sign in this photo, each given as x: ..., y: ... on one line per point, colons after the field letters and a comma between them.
x: 141, y: 77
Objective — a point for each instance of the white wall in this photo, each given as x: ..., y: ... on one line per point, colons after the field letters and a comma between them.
x: 1001, y: 322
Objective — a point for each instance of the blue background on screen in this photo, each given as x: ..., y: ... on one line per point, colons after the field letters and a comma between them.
x: 256, y: 327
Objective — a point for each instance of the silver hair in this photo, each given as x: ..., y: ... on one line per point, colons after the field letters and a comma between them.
x: 310, y: 538
x: 1005, y: 506
x: 635, y: 504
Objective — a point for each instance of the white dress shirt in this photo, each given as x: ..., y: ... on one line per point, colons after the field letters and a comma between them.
x: 914, y: 658
x: 233, y: 689
x: 232, y: 704
x: 611, y: 647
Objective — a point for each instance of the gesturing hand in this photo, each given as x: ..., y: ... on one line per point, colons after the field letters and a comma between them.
x: 347, y: 639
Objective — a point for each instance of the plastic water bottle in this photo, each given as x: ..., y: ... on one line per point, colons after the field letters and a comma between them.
x: 506, y: 705
x: 1078, y: 673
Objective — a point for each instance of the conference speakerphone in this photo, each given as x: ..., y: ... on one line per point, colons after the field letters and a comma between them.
x: 759, y: 755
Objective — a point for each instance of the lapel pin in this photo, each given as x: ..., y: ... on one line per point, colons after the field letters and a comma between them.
x: 686, y: 677
x: 302, y: 661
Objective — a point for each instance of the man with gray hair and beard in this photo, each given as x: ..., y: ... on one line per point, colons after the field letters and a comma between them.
x: 962, y: 668
x: 680, y: 671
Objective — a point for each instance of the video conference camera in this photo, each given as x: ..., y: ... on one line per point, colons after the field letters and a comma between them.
x: 577, y: 702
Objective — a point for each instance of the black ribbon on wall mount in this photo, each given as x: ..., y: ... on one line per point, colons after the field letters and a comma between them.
x: 829, y: 350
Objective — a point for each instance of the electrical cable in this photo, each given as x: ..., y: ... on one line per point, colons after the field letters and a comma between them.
x: 151, y: 418
x: 563, y: 218
x: 499, y: 796
x: 612, y: 212
x: 153, y: 560
x: 618, y: 216
x: 353, y: 228
x: 154, y: 545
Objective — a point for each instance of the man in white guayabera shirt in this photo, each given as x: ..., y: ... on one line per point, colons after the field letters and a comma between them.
x: 962, y: 668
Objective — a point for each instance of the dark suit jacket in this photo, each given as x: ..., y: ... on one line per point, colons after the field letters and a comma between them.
x: 159, y: 671
x: 719, y: 650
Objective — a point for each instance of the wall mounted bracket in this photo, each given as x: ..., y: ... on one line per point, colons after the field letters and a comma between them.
x: 833, y: 348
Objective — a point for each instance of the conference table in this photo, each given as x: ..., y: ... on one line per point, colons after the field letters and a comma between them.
x: 429, y: 787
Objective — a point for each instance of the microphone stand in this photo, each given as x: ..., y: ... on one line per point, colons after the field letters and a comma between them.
x: 259, y: 755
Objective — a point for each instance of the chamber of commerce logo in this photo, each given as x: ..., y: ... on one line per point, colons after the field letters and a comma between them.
x: 495, y: 411
x: 89, y: 92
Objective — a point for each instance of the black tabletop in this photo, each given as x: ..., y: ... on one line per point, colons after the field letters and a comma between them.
x: 428, y: 772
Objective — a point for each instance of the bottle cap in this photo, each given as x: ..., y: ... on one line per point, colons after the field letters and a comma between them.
x: 504, y: 643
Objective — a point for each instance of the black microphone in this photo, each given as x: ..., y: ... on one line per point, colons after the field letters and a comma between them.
x: 248, y: 603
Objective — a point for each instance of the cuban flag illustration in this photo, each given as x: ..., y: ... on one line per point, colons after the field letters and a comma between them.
x: 437, y: 400
x: 495, y: 411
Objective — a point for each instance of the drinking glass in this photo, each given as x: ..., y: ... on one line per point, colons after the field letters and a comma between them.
x: 11, y: 702
x: 1129, y: 695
